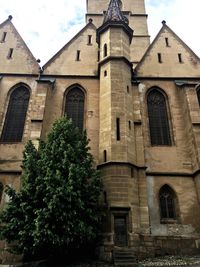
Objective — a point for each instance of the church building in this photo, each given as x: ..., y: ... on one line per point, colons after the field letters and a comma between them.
x: 140, y: 105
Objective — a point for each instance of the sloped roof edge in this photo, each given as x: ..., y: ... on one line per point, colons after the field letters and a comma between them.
x: 68, y: 43
x: 8, y: 20
x: 165, y: 26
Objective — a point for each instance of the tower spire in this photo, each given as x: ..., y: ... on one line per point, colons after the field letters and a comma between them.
x: 114, y: 13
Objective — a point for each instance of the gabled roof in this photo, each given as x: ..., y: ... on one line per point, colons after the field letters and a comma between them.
x: 89, y: 24
x: 24, y: 48
x: 176, y: 37
x: 6, y: 21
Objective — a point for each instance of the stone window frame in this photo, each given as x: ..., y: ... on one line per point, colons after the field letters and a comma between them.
x: 170, y: 219
x: 5, y: 112
x: 67, y: 91
x: 170, y: 141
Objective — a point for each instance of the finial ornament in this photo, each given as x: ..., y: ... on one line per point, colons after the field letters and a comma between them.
x: 10, y: 17
x: 114, y: 12
x: 163, y: 22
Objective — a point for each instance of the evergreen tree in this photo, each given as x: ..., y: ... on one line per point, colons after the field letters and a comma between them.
x: 57, y: 206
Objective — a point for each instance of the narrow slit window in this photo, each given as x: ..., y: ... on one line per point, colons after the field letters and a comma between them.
x: 180, y: 58
x: 105, y: 50
x: 167, y: 42
x: 198, y: 94
x: 159, y: 58
x: 1, y: 191
x: 78, y: 53
x: 118, y: 128
x: 10, y: 53
x: 132, y: 172
x: 105, y: 155
x: 105, y: 73
x: 89, y: 39
x: 4, y: 37
x: 129, y: 125
x: 127, y: 89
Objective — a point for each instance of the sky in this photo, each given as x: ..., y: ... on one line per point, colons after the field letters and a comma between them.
x: 46, y: 26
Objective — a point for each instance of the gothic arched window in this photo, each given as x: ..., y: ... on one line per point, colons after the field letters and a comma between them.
x: 74, y: 107
x: 167, y: 199
x: 16, y: 114
x: 158, y: 118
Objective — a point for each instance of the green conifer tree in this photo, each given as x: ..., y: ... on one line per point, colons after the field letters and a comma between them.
x: 57, y: 208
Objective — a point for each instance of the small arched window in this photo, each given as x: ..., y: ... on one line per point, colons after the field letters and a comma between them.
x: 105, y: 50
x: 198, y: 94
x: 16, y: 115
x: 167, y: 199
x: 158, y: 118
x: 74, y: 107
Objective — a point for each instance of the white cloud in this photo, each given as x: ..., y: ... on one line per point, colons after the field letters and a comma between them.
x: 47, y: 26
x: 181, y: 17
x: 44, y: 25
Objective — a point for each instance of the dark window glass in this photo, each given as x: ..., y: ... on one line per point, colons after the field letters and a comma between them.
x: 78, y: 53
x: 3, y: 39
x: 167, y: 203
x: 89, y: 39
x: 1, y: 191
x: 158, y: 118
x: 105, y: 50
x: 118, y: 128
x: 198, y: 95
x: 129, y: 125
x: 180, y: 58
x: 159, y: 58
x: 105, y: 155
x: 74, y: 107
x: 16, y: 114
x: 167, y: 41
x: 10, y: 53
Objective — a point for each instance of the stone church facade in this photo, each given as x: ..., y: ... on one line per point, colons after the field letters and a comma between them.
x: 140, y: 105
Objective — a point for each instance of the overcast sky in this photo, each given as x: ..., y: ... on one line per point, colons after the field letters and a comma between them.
x: 47, y: 25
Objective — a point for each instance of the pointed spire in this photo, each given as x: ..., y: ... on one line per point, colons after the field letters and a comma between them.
x: 114, y: 18
x: 114, y: 13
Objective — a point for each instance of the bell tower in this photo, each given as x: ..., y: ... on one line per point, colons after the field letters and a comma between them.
x: 135, y: 12
x: 117, y: 142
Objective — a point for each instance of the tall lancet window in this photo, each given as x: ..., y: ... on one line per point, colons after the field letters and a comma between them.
x: 158, y: 118
x: 74, y: 107
x: 16, y: 115
x: 167, y: 199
